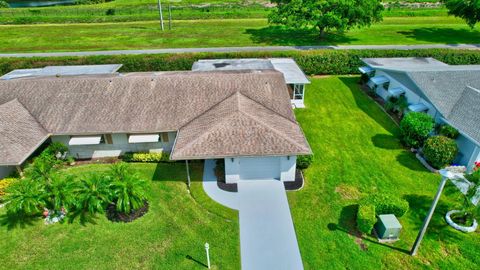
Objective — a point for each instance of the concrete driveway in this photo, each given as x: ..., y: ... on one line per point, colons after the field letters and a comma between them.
x: 267, y: 234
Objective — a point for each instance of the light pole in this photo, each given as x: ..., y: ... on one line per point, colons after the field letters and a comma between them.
x: 445, y: 176
x: 161, y: 13
x: 208, y: 255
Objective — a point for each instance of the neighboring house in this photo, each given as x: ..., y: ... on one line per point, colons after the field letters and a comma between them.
x: 450, y: 93
x: 294, y: 76
x: 244, y: 117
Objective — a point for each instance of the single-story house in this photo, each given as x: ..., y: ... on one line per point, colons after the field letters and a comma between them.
x: 449, y: 93
x: 294, y: 76
x: 244, y: 117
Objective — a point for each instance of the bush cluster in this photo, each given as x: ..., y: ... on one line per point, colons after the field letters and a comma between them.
x: 314, y: 62
x: 304, y: 161
x: 387, y: 204
x: 4, y: 184
x: 415, y: 128
x: 4, y: 4
x: 378, y: 204
x: 440, y: 151
x: 366, y: 218
x: 147, y: 157
x: 449, y: 131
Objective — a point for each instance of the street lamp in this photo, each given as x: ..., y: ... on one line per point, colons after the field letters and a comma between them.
x: 446, y: 174
x: 207, y: 246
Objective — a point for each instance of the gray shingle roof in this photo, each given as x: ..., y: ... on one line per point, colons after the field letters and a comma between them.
x: 450, y: 88
x: 239, y: 121
x: 20, y: 133
x: 465, y: 114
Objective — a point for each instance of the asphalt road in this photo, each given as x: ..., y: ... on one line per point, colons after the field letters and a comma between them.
x: 246, y: 49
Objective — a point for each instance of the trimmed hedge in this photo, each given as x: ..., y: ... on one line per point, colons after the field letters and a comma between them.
x: 415, y: 128
x: 313, y: 62
x: 440, y: 151
x: 366, y: 218
x: 143, y: 157
x: 387, y: 204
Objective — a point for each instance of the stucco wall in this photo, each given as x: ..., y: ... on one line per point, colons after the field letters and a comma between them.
x: 5, y: 171
x: 285, y: 170
x: 409, y: 94
x: 118, y: 147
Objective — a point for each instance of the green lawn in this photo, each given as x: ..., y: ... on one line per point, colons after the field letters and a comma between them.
x: 357, y: 152
x: 219, y: 33
x: 170, y: 236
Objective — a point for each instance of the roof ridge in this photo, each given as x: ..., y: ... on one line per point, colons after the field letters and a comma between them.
x: 29, y: 113
x: 290, y: 120
x: 271, y: 128
x: 204, y: 133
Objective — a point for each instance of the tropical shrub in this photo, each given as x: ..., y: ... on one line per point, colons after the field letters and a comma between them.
x: 387, y: 204
x: 415, y: 128
x: 5, y: 183
x: 366, y: 218
x: 396, y: 105
x: 92, y: 195
x: 143, y: 157
x: 304, y: 161
x: 474, y: 177
x: 55, y: 148
x: 128, y: 189
x: 25, y: 197
x: 449, y: 131
x: 440, y: 151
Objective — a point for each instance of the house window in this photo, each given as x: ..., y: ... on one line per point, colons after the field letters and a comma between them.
x: 165, y: 137
x: 298, y: 90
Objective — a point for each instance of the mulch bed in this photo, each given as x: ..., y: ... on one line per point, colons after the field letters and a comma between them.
x: 227, y: 187
x: 297, y: 184
x: 115, y: 216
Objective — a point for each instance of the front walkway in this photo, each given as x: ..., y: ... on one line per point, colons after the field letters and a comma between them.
x: 267, y: 234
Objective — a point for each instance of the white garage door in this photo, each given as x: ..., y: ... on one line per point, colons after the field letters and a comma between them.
x: 260, y: 168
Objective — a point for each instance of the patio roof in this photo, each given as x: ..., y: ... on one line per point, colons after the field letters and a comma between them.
x: 287, y: 66
x: 62, y: 71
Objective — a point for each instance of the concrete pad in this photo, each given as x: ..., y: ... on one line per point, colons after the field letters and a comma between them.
x: 228, y: 199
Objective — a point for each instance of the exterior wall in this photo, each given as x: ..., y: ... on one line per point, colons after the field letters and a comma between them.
x: 118, y: 147
x: 6, y: 171
x: 286, y: 167
x: 466, y: 149
x: 409, y: 94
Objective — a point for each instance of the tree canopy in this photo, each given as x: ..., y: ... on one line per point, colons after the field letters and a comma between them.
x: 326, y: 15
x: 469, y: 10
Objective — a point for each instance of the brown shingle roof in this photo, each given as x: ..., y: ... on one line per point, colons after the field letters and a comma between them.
x: 239, y: 126
x: 253, y: 107
x: 20, y: 133
x: 139, y: 102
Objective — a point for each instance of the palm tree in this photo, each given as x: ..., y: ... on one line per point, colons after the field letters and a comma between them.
x: 129, y: 189
x: 92, y: 195
x: 25, y: 197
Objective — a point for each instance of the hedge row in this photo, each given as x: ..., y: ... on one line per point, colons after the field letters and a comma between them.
x: 313, y: 62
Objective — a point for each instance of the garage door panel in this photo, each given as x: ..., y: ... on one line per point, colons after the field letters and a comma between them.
x: 260, y: 168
